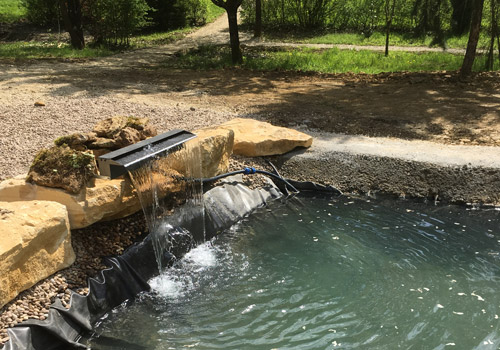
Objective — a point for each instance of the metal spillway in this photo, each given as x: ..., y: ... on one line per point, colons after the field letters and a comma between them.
x: 119, y: 162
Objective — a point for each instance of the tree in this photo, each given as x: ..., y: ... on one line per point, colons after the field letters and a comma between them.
x: 494, y: 35
x: 389, y: 8
x: 231, y: 7
x: 475, y: 28
x: 71, y: 11
x: 258, y: 19
x: 461, y: 16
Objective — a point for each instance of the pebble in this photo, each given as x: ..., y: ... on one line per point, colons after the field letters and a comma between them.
x: 34, y: 303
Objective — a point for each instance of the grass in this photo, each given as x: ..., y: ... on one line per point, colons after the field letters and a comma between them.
x: 213, y: 11
x: 376, y: 39
x: 36, y: 50
x: 158, y: 38
x: 11, y: 11
x: 325, y: 61
x: 57, y: 49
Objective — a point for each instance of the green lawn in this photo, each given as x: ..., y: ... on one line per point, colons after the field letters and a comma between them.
x: 34, y: 50
x: 377, y: 38
x: 158, y: 38
x: 326, y: 61
x: 11, y: 11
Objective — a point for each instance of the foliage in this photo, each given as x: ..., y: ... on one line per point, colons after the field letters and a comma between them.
x: 11, y: 11
x: 42, y: 12
x: 112, y: 22
x: 326, y: 61
x: 176, y: 14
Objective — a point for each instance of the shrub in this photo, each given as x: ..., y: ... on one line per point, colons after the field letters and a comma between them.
x: 42, y: 12
x: 112, y: 22
x: 174, y: 14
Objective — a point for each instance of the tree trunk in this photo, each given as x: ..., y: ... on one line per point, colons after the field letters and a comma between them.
x: 258, y: 19
x: 72, y: 14
x: 475, y: 28
x: 389, y: 15
x: 489, y: 61
x: 232, y: 17
x: 387, y: 35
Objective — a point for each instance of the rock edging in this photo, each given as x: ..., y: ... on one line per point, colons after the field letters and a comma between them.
x: 36, y: 242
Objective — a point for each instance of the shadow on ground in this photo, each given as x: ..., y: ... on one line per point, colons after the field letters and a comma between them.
x: 429, y: 106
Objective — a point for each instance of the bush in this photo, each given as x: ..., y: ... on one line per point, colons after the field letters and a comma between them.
x: 174, y: 14
x: 112, y: 22
x: 42, y: 12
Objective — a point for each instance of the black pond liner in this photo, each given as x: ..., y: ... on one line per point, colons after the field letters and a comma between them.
x: 128, y: 274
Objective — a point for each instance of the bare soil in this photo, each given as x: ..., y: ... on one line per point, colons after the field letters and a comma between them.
x: 426, y: 106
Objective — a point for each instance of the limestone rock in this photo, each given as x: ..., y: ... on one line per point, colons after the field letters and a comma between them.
x: 117, y: 132
x: 253, y: 138
x: 111, y: 127
x: 102, y: 199
x: 127, y: 136
x: 73, y: 140
x: 102, y: 142
x: 35, y: 244
x: 216, y: 147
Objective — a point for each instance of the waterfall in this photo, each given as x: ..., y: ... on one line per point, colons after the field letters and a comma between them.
x: 171, y: 195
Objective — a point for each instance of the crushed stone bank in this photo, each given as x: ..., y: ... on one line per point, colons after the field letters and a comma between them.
x: 418, y: 169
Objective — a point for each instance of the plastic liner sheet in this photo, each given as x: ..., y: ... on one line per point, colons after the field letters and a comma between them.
x: 127, y: 276
x: 308, y: 187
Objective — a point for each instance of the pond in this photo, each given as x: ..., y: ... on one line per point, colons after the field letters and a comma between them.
x: 318, y: 273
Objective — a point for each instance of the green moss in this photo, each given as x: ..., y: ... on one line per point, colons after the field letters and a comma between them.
x: 136, y: 123
x: 64, y: 140
x: 62, y: 167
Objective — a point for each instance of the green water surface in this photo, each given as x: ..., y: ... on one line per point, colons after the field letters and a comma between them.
x: 329, y: 274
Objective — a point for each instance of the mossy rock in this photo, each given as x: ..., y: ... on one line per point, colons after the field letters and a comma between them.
x: 62, y: 167
x: 72, y: 140
x: 111, y: 127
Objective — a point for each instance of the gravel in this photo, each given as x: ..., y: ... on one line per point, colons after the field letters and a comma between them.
x: 91, y: 245
x: 26, y: 128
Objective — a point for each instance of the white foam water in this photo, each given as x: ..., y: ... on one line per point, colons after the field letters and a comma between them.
x: 185, y: 274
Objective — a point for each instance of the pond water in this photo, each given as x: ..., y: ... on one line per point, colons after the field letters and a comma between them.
x: 338, y: 273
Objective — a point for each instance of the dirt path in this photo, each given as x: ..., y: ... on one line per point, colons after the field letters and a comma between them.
x: 431, y: 106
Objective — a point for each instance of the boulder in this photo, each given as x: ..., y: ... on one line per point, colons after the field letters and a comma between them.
x: 102, y: 199
x: 62, y: 167
x: 35, y: 244
x: 253, y: 138
x: 111, y: 127
x: 216, y: 147
x: 127, y: 136
x: 212, y: 147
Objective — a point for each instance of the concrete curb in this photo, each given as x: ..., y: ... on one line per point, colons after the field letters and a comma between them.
x: 414, y: 169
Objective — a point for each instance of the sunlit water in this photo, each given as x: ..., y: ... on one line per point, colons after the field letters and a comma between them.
x: 323, y: 274
x: 171, y: 198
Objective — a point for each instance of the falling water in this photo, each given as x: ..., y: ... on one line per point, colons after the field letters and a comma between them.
x: 171, y: 196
